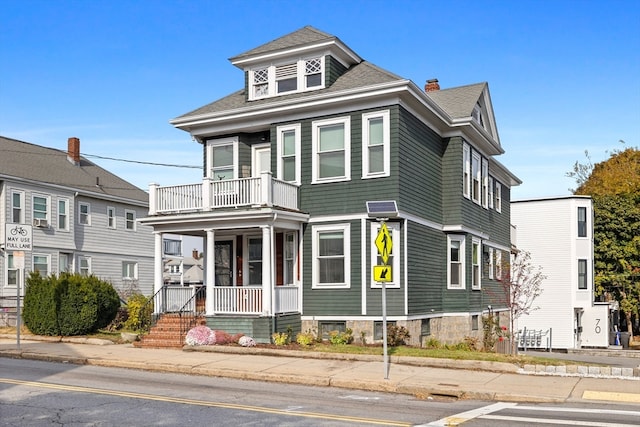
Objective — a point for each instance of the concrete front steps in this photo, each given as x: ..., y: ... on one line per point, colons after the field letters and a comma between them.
x: 166, y: 333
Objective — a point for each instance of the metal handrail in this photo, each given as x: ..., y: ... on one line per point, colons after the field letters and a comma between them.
x: 189, y: 316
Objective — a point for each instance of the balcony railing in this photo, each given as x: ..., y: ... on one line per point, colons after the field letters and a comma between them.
x: 210, y: 194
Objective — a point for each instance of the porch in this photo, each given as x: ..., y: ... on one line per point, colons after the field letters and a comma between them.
x: 214, y: 194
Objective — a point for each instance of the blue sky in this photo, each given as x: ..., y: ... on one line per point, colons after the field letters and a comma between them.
x: 564, y: 76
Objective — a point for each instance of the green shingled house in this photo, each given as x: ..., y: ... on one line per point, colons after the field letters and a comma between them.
x: 291, y: 161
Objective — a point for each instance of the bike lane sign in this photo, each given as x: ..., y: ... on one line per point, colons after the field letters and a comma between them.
x: 18, y: 237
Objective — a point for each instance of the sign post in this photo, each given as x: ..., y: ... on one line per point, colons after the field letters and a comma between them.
x: 18, y: 238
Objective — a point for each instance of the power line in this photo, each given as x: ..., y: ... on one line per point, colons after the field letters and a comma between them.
x: 143, y: 163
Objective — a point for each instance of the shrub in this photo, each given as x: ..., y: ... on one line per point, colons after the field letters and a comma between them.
x: 397, y: 335
x: 280, y: 338
x: 78, y: 309
x: 139, y: 318
x: 245, y: 341
x: 108, y: 301
x: 433, y: 343
x: 201, y: 335
x: 119, y: 321
x: 40, y: 305
x: 306, y: 338
x: 341, y: 338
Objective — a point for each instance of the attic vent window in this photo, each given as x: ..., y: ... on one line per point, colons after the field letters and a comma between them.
x: 313, y: 72
x: 477, y: 115
x: 261, y: 82
x: 286, y: 78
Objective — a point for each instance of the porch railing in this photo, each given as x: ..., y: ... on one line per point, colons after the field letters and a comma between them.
x: 236, y: 300
x: 286, y: 299
x: 210, y: 194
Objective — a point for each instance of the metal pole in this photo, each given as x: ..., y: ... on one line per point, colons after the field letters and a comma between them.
x: 385, y: 354
x: 18, y: 322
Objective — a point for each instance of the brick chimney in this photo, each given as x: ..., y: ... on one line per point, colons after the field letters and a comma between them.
x: 73, y: 150
x: 431, y: 85
x: 195, y: 254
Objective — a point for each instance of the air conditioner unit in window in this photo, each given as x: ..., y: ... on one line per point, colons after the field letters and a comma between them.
x: 39, y: 222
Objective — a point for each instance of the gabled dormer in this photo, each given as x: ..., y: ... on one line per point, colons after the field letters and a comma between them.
x: 305, y: 60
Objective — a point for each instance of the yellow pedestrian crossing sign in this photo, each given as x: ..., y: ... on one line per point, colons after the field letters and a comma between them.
x: 382, y: 273
x: 383, y: 243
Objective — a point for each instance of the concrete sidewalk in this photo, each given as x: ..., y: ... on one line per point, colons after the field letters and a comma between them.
x: 421, y: 377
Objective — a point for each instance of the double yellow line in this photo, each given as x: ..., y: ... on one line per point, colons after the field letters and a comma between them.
x: 77, y: 389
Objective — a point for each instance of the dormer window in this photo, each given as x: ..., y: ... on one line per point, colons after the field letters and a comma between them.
x: 477, y: 115
x: 280, y: 79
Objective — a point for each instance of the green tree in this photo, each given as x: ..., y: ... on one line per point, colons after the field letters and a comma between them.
x: 614, y: 186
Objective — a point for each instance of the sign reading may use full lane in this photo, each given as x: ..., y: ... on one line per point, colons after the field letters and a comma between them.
x: 18, y: 237
x: 382, y: 273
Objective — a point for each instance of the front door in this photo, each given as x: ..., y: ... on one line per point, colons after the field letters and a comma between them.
x: 261, y: 159
x: 224, y: 263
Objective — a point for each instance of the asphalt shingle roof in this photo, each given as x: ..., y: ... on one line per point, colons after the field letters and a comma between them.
x: 33, y: 162
x: 458, y: 102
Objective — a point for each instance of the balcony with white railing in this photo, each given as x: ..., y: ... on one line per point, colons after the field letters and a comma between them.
x: 211, y: 194
x: 248, y: 300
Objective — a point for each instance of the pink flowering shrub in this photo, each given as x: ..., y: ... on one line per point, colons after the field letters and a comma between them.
x: 201, y: 335
x: 245, y: 341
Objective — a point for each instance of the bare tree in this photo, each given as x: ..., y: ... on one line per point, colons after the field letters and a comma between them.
x: 521, y: 284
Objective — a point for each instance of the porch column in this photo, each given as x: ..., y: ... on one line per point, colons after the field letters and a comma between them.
x: 267, y: 262
x: 210, y: 270
x: 158, y: 270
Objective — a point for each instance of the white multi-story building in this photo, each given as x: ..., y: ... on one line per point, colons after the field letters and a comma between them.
x: 82, y: 219
x: 558, y: 233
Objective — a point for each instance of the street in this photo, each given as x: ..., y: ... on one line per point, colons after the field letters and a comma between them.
x: 38, y: 393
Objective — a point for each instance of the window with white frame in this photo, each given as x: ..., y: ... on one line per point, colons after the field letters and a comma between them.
x: 130, y: 220
x: 331, y: 140
x: 40, y: 207
x: 17, y: 207
x: 41, y: 264
x: 297, y: 76
x: 84, y: 213
x: 476, y: 258
x: 582, y: 274
x: 63, y: 214
x: 111, y: 217
x: 476, y: 175
x: 491, y: 263
x: 498, y: 197
x: 129, y: 270
x: 498, y: 264
x: 394, y: 258
x: 84, y: 265
x: 288, y: 151
x: 289, y: 258
x: 455, y: 262
x: 485, y: 183
x: 582, y: 221
x: 491, y: 186
x: 466, y: 170
x: 13, y: 273
x: 375, y: 144
x: 65, y: 262
x: 331, y: 256
x: 222, y: 158
x: 254, y: 260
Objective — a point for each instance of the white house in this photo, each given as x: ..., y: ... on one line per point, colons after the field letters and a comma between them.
x: 558, y: 233
x: 82, y: 219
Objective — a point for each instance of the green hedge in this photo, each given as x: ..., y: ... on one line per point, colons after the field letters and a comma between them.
x: 68, y: 304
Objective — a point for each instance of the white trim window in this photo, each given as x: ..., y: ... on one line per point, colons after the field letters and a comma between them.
x: 498, y: 264
x: 65, y: 262
x: 466, y: 170
x: 376, y: 144
x: 498, y: 197
x: 289, y: 258
x: 111, y: 217
x: 288, y: 152
x: 254, y: 260
x: 582, y: 221
x: 583, y: 276
x: 41, y: 263
x: 17, y: 207
x: 491, y: 196
x: 331, y: 141
x: 491, y: 263
x: 63, y: 214
x: 485, y: 183
x: 130, y: 220
x: 476, y: 176
x: 84, y: 213
x: 40, y: 207
x: 394, y: 259
x: 84, y: 265
x: 129, y: 270
x: 476, y: 258
x: 222, y: 159
x: 281, y: 79
x: 455, y: 262
x: 13, y: 273
x: 331, y: 256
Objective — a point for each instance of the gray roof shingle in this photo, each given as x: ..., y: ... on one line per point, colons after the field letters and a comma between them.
x: 50, y: 166
x: 458, y: 102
